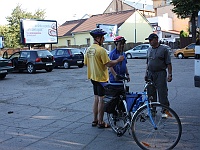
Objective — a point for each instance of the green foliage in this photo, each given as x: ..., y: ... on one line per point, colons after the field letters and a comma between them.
x: 185, y: 9
x: 183, y: 34
x: 11, y: 32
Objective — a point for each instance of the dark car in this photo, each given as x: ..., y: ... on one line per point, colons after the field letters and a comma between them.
x: 32, y: 60
x: 5, y: 67
x: 67, y: 57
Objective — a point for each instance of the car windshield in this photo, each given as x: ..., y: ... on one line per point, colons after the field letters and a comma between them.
x: 44, y: 53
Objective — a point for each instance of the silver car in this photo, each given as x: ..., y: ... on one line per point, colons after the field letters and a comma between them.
x: 140, y: 51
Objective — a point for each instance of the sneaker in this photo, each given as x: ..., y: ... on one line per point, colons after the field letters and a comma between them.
x: 166, y: 114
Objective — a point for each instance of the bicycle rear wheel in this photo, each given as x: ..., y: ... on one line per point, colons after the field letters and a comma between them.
x: 165, y: 136
x: 118, y: 119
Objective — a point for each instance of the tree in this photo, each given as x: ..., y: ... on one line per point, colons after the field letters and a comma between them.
x: 12, y: 33
x: 187, y: 8
x: 183, y: 34
x: 4, y: 32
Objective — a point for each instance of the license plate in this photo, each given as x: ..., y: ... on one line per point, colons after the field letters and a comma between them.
x: 48, y: 64
x: 3, y: 71
x: 79, y: 62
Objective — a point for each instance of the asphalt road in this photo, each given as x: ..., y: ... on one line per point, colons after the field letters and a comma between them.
x: 53, y: 111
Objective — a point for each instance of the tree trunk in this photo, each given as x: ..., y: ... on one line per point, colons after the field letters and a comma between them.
x: 193, y: 28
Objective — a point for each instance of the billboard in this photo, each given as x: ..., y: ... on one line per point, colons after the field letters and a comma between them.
x: 38, y: 31
x: 111, y: 31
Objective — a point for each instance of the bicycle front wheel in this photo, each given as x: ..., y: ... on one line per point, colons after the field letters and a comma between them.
x: 164, y: 135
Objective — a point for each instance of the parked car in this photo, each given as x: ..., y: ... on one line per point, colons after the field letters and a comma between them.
x: 140, y: 51
x: 68, y: 57
x: 188, y: 51
x: 83, y: 49
x: 32, y: 60
x: 5, y: 67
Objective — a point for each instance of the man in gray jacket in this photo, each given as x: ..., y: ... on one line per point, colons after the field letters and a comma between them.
x: 158, y: 64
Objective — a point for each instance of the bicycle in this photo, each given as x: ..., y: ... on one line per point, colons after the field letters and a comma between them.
x: 144, y: 118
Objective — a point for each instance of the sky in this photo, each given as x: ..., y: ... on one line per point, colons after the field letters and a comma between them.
x: 59, y: 10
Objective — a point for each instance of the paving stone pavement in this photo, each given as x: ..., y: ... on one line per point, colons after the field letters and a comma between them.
x: 53, y: 111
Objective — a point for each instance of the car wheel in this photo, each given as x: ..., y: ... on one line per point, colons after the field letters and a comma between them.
x: 180, y: 56
x: 2, y: 76
x: 49, y: 69
x: 31, y: 68
x: 81, y: 66
x: 66, y: 65
x: 129, y: 56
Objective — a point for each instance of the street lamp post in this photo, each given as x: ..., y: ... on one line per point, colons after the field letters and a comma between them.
x: 135, y: 27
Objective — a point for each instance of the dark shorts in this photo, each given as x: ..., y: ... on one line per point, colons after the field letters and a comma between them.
x: 98, y: 88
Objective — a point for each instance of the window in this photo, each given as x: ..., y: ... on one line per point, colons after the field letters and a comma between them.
x: 138, y: 47
x: 145, y: 47
x: 191, y: 46
x: 68, y: 42
x: 88, y: 41
x: 25, y: 54
x: 60, y: 52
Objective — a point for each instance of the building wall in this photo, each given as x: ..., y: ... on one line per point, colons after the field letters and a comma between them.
x: 117, y: 5
x: 62, y: 41
x: 158, y: 3
x: 127, y: 29
x: 136, y: 21
x: 163, y: 21
x: 81, y: 38
x: 177, y: 24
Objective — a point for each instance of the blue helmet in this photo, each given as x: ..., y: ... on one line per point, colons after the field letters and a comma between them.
x: 97, y: 33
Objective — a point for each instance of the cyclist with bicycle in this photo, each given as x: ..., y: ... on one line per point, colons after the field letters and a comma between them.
x: 97, y: 61
x: 121, y: 67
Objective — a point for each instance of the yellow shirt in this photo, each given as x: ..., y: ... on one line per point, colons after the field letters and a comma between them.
x: 95, y: 58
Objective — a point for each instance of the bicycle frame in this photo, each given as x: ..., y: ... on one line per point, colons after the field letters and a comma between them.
x: 144, y: 100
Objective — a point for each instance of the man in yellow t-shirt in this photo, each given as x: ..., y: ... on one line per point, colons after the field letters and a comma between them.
x: 97, y: 61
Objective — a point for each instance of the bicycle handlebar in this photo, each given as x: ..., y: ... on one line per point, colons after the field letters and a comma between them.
x: 121, y: 77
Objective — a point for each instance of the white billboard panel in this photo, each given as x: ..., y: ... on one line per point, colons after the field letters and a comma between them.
x: 1, y: 41
x: 111, y: 31
x: 39, y: 31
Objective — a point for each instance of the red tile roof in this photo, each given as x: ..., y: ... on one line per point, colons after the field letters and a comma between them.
x: 108, y: 18
x: 66, y: 28
x: 85, y: 25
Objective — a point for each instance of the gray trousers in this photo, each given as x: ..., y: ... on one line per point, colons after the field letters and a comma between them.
x: 160, y: 80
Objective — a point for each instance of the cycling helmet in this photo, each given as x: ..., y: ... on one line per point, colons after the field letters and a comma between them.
x: 97, y: 33
x: 119, y: 39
